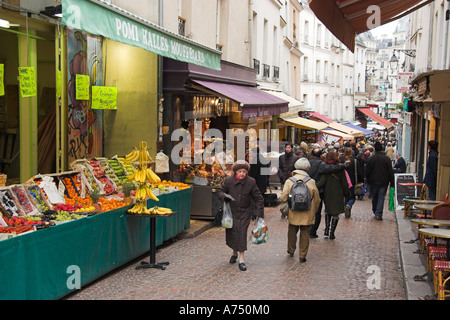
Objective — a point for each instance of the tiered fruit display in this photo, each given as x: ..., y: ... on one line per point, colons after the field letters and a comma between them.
x: 39, y: 198
x: 143, y: 176
x: 118, y: 169
x: 8, y: 203
x: 109, y: 171
x: 165, y: 183
x: 24, y: 201
x: 99, y: 173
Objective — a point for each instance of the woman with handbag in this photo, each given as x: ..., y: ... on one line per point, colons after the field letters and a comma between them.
x: 355, y: 172
x: 335, y: 187
x: 239, y: 190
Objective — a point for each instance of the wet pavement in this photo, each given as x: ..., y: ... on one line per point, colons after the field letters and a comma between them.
x: 364, y: 262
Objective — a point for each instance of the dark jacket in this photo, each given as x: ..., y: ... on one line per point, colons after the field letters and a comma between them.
x: 319, y: 167
x: 335, y: 188
x: 430, y: 178
x: 400, y: 166
x: 379, y: 171
x: 243, y: 192
x: 262, y: 180
x: 359, y: 171
x: 286, y: 166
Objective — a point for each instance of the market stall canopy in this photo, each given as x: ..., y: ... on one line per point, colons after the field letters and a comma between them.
x: 295, y: 106
x: 105, y: 19
x: 366, y: 132
x: 344, y: 136
x: 255, y: 103
x: 350, y: 131
x: 303, y: 123
x: 347, y: 18
x: 378, y: 119
x: 320, y: 117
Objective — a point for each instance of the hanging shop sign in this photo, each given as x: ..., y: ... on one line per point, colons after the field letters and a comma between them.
x: 27, y: 80
x: 104, y: 98
x: 121, y: 26
x: 2, y: 84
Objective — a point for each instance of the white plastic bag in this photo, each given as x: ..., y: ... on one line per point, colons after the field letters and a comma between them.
x: 260, y: 232
x: 161, y: 163
x: 227, y: 218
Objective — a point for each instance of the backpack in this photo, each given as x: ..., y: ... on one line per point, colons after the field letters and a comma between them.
x: 300, y: 197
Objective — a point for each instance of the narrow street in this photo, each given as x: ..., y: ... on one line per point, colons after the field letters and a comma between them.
x: 340, y: 269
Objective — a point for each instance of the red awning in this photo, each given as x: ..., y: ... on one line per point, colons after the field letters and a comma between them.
x: 255, y: 103
x: 320, y: 117
x: 347, y: 18
x: 375, y: 117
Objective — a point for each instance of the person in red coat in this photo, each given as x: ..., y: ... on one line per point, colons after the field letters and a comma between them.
x: 239, y: 190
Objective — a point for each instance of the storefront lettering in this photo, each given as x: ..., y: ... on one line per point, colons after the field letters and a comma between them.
x: 184, y: 51
x: 128, y: 30
x: 155, y: 41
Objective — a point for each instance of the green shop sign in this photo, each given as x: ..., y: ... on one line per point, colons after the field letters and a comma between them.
x: 98, y: 17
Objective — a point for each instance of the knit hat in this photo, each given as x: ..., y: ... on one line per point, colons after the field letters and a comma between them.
x: 240, y: 164
x: 302, y: 164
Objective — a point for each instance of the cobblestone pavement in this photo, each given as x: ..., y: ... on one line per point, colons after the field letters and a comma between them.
x: 340, y: 269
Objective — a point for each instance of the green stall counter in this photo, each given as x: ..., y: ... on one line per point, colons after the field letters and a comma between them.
x: 51, y: 263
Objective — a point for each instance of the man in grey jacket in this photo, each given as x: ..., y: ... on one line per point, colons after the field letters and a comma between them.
x: 380, y: 175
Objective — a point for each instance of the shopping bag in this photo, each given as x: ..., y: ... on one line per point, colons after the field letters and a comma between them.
x: 260, y: 232
x: 391, y: 199
x: 227, y: 218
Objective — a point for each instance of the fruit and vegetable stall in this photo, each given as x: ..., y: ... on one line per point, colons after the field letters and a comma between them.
x: 61, y: 231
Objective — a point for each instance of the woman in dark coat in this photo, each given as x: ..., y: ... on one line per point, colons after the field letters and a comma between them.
x: 243, y: 190
x: 335, y: 189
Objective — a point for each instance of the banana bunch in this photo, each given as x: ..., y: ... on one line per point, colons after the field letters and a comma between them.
x: 159, y: 210
x: 133, y: 155
x: 139, y: 207
x: 144, y: 175
x: 143, y: 192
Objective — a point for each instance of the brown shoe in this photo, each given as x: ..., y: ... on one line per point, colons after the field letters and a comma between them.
x: 302, y: 260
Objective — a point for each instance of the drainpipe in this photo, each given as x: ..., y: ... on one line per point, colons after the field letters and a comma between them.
x: 250, y: 32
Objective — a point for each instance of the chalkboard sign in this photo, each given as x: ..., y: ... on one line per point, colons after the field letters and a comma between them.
x: 402, y: 192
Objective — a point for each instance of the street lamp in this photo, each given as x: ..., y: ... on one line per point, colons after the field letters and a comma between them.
x: 393, y: 63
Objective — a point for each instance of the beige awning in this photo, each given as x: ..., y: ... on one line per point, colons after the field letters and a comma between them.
x: 303, y: 123
x: 350, y: 131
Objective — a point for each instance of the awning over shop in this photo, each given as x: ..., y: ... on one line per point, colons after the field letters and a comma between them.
x: 295, y: 106
x: 347, y: 130
x: 347, y: 18
x: 320, y: 117
x: 303, y: 123
x: 255, y: 103
x: 344, y: 136
x: 105, y: 19
x: 375, y: 117
x: 366, y: 132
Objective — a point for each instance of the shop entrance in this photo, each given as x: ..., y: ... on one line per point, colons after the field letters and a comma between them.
x: 27, y: 125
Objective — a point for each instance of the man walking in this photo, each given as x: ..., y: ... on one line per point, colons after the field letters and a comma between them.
x: 380, y: 175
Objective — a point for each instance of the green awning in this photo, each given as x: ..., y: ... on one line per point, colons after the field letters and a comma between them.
x: 107, y: 20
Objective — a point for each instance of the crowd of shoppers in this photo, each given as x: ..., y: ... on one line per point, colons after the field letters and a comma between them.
x: 332, y: 174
